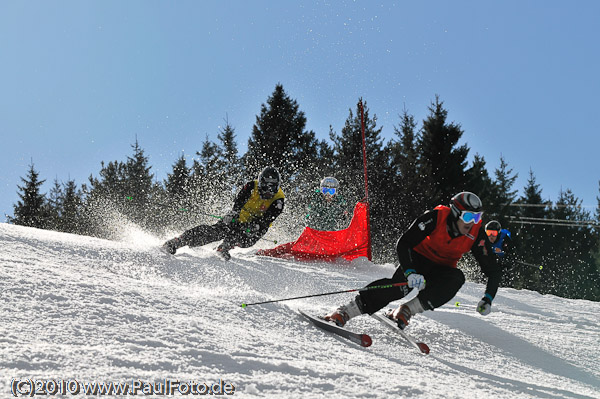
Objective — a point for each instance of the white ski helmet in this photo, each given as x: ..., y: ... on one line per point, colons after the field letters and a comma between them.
x: 330, y: 182
x: 465, y: 201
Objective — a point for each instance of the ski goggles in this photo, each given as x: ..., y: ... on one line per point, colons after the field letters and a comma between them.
x: 470, y: 217
x: 269, y: 188
x: 328, y: 190
x: 492, y: 233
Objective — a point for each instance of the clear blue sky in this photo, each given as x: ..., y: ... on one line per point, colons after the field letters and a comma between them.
x: 82, y: 79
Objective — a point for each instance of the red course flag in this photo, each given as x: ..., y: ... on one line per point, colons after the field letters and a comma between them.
x: 350, y: 243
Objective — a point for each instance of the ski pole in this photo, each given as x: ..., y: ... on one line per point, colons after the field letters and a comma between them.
x: 375, y: 287
x: 212, y: 216
x: 530, y: 265
x: 460, y: 305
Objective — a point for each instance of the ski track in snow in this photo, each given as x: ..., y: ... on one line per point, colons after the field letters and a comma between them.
x: 88, y: 309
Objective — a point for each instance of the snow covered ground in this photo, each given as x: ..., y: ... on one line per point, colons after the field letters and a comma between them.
x: 88, y: 310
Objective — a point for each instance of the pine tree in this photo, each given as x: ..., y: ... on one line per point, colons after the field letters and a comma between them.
x: 176, y: 205
x: 210, y: 166
x: 138, y: 184
x: 348, y: 158
x: 504, y: 194
x: 31, y: 209
x: 210, y: 193
x: 316, y: 166
x: 71, y: 206
x: 103, y: 200
x: 228, y: 152
x: 124, y: 192
x: 441, y: 156
x: 109, y: 187
x: 278, y: 138
x: 529, y: 246
x: 348, y: 161
x: 570, y: 263
x: 177, y: 183
x: 54, y: 206
x: 412, y: 187
x: 325, y: 153
x: 480, y: 183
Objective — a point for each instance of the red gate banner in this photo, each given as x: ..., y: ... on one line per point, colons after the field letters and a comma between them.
x: 350, y: 243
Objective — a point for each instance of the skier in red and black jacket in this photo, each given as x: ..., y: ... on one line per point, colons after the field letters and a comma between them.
x: 429, y: 252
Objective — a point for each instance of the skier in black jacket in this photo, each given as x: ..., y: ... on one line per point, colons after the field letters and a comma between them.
x: 256, y: 206
x: 428, y: 253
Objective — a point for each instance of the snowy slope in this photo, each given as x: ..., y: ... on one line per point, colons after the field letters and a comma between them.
x: 90, y: 310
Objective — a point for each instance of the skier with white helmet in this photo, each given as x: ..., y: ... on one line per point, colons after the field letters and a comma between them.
x: 429, y: 252
x: 255, y: 207
x: 327, y: 209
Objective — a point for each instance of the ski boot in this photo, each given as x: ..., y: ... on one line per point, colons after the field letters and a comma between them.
x: 223, y: 251
x: 341, y: 315
x: 401, y: 316
x: 171, y: 246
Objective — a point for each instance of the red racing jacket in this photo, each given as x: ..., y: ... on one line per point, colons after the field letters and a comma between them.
x: 439, y: 247
x: 428, y: 239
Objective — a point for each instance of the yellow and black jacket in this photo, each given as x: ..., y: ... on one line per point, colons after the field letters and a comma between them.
x: 250, y: 208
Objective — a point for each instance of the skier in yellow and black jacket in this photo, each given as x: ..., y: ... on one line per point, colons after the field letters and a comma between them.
x: 256, y: 206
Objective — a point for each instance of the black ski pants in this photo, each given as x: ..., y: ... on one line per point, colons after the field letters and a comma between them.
x: 441, y: 285
x: 232, y: 235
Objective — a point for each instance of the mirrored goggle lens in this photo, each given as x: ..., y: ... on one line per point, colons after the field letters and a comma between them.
x: 328, y: 190
x: 470, y: 217
x: 491, y: 233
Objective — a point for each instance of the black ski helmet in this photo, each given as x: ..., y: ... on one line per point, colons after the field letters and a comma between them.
x: 465, y: 201
x: 493, y: 225
x: 268, y: 182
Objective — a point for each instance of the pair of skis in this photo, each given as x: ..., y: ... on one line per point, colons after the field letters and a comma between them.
x: 364, y: 339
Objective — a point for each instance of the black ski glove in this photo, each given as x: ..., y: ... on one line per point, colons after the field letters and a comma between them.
x: 484, y: 307
x: 231, y: 218
x: 252, y: 229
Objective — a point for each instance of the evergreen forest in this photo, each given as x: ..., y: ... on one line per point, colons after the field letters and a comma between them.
x: 422, y: 166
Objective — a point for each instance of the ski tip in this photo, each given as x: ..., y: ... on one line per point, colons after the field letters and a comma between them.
x: 244, y: 306
x: 423, y: 347
x: 366, y: 341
